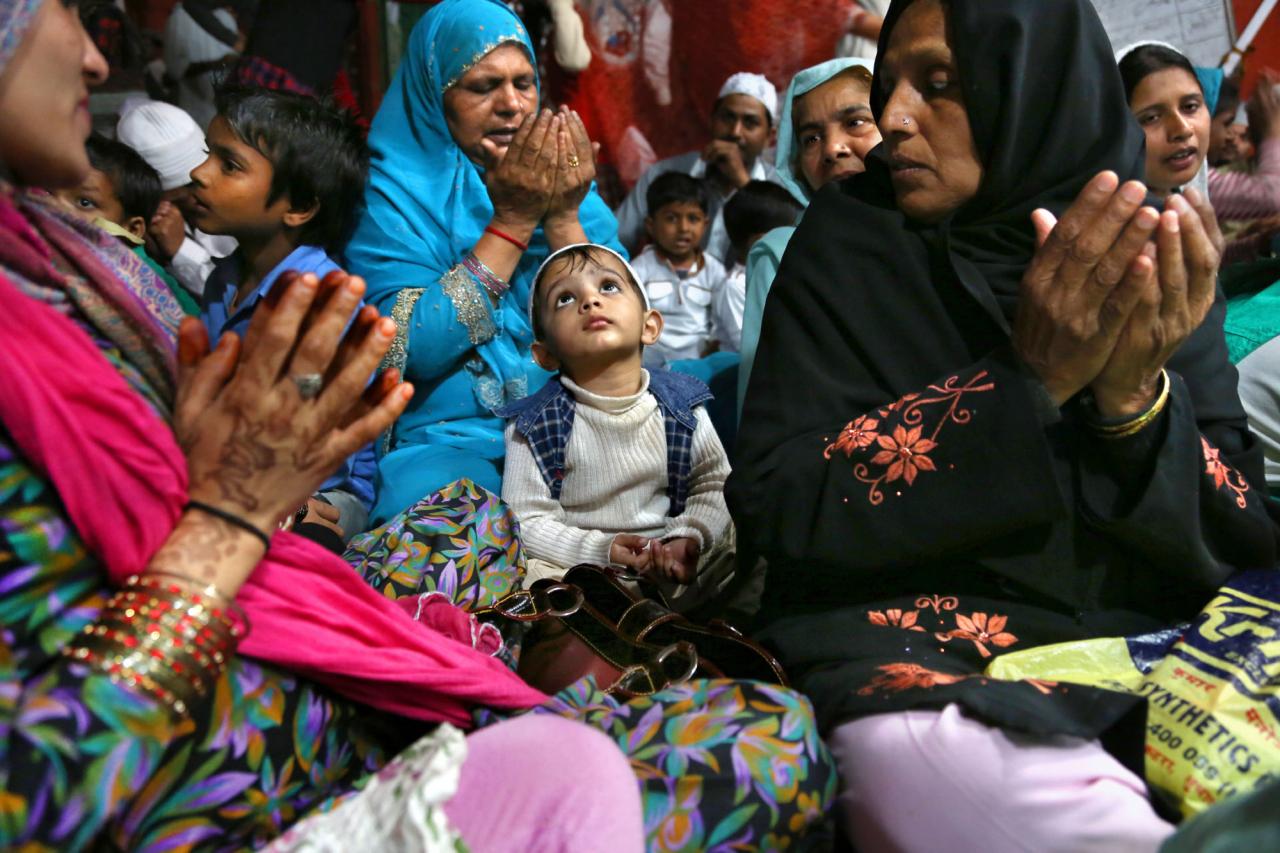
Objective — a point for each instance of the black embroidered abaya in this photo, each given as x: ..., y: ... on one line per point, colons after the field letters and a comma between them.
x: 922, y: 503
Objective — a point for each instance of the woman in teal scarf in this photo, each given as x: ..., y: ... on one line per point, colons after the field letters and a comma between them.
x: 720, y: 763
x: 836, y: 134
x: 470, y: 189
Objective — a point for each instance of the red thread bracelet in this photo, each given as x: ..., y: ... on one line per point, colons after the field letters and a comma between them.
x: 489, y: 229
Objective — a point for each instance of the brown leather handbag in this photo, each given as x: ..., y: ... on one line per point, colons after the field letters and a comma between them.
x: 591, y: 623
x: 570, y: 639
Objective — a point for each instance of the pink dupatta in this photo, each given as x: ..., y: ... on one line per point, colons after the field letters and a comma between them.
x: 119, y: 472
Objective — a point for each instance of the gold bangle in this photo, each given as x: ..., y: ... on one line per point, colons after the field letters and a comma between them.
x: 1139, y: 423
x: 119, y: 668
x: 166, y: 639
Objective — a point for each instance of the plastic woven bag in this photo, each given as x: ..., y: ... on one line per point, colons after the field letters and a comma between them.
x: 1212, y: 689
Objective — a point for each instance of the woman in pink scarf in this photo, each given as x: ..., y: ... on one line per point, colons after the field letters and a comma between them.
x: 125, y: 465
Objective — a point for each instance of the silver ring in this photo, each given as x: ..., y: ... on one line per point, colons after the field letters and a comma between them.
x: 309, y: 384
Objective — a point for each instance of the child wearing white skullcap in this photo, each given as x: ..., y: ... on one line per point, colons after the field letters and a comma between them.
x: 611, y: 463
x: 172, y: 143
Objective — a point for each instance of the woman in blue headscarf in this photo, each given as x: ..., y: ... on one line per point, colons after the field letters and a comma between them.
x: 824, y: 134
x: 470, y: 188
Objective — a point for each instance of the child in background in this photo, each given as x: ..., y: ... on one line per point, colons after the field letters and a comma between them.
x: 173, y: 144
x: 120, y: 195
x: 754, y: 211
x: 610, y: 463
x: 680, y: 280
x: 283, y: 176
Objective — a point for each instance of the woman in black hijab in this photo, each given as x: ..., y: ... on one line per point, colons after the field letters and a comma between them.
x: 969, y: 431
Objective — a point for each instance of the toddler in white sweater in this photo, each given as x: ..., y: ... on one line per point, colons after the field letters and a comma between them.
x: 611, y: 463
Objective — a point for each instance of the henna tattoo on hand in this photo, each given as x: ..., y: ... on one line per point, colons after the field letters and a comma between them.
x: 209, y: 550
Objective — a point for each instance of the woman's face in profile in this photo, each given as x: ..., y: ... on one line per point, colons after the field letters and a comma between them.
x: 44, y: 99
x: 486, y: 107
x: 933, y: 160
x: 1170, y: 109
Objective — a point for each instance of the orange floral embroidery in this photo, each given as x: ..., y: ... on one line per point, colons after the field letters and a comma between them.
x: 901, y: 452
x: 897, y: 677
x: 1223, y: 474
x: 1040, y: 684
x: 895, y: 618
x: 904, y: 453
x: 939, y: 603
x: 855, y: 436
x: 980, y: 630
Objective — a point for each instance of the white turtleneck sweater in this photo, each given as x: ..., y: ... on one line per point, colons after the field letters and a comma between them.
x: 615, y: 482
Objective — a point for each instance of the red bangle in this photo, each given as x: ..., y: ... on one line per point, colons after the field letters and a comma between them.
x: 489, y: 229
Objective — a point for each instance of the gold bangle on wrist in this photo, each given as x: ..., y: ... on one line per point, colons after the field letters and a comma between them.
x: 162, y: 637
x: 1135, y: 425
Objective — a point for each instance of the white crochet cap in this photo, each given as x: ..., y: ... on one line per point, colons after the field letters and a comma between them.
x: 166, y: 137
x: 635, y: 279
x: 755, y: 85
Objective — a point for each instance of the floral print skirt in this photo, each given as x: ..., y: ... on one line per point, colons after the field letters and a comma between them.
x: 722, y: 764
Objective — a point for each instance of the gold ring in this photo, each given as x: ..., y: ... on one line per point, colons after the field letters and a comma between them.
x: 574, y: 161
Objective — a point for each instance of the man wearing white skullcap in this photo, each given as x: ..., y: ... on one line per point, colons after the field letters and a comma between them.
x: 741, y: 127
x: 173, y: 144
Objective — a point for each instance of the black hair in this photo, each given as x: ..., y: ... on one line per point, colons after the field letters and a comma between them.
x: 1228, y: 98
x: 674, y: 187
x: 758, y: 207
x: 578, y: 258
x: 317, y: 154
x: 1140, y: 63
x: 133, y: 181
x: 114, y: 33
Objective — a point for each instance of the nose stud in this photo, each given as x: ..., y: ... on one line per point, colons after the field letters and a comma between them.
x: 906, y: 122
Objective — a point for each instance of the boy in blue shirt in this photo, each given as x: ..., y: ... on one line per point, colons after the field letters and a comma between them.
x: 283, y: 174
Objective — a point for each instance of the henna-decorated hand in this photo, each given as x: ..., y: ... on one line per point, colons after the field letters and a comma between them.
x: 254, y: 446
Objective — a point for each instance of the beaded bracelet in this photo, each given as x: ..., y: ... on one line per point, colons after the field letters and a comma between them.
x: 1135, y: 425
x: 488, y: 278
x: 162, y: 639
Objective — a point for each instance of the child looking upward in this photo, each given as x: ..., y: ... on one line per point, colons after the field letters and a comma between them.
x: 680, y: 280
x: 283, y: 175
x: 611, y: 463
x: 120, y: 196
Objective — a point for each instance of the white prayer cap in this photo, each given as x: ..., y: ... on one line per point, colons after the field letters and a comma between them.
x: 166, y: 137
x: 754, y: 85
x: 635, y: 278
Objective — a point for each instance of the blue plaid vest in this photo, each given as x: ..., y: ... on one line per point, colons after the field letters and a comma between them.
x: 545, y: 419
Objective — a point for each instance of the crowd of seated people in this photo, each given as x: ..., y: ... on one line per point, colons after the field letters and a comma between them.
x: 924, y: 362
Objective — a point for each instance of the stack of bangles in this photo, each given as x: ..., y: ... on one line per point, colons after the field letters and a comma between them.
x: 162, y: 639
x: 487, y: 277
x: 1135, y: 425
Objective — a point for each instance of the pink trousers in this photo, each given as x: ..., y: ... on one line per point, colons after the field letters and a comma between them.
x: 929, y: 780
x: 543, y: 784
